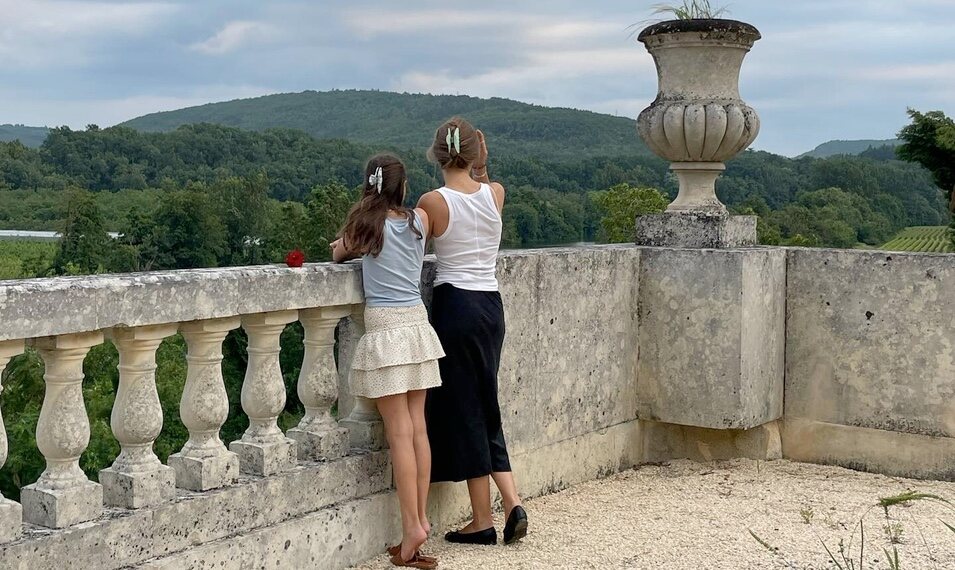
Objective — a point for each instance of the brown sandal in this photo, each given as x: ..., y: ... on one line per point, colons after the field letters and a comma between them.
x: 396, y: 550
x: 415, y: 562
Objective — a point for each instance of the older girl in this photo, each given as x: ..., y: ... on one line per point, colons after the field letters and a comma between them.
x: 464, y: 417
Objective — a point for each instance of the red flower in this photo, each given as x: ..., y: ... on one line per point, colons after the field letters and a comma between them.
x: 295, y: 258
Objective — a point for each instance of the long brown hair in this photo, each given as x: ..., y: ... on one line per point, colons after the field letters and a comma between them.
x: 364, y: 228
x: 449, y: 156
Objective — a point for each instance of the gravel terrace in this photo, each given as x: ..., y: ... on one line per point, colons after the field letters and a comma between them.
x: 686, y: 515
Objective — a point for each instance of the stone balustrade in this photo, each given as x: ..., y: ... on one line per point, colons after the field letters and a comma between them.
x: 136, y: 313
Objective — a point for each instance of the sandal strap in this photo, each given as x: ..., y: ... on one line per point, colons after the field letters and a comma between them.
x: 396, y: 551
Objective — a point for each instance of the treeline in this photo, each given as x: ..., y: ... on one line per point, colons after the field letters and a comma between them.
x: 838, y: 201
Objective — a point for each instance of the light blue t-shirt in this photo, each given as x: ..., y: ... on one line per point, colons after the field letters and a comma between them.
x: 393, y: 278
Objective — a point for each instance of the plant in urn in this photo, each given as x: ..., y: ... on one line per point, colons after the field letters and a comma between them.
x: 697, y: 122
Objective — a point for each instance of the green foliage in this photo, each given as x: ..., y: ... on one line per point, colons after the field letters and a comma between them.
x: 325, y: 213
x: 882, y: 152
x: 620, y: 206
x: 853, y: 147
x: 244, y: 210
x: 83, y: 239
x: 184, y: 233
x: 930, y: 141
x: 937, y: 239
x: 691, y: 10
x: 26, y: 258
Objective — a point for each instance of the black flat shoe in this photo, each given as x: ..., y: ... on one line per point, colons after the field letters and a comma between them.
x: 516, y: 527
x: 486, y: 537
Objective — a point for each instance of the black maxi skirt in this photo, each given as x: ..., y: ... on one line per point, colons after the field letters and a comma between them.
x: 463, y: 414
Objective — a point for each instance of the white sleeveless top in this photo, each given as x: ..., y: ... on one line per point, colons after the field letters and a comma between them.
x: 467, y: 250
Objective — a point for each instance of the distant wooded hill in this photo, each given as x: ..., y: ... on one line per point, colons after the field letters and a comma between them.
x: 833, y: 148
x: 32, y: 137
x: 407, y: 121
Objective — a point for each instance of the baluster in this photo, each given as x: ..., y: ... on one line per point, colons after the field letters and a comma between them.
x: 264, y: 449
x: 137, y: 478
x: 365, y: 428
x: 318, y: 434
x: 63, y: 495
x: 204, y: 462
x: 11, y: 513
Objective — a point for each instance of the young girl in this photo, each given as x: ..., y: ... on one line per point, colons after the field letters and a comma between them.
x: 397, y: 358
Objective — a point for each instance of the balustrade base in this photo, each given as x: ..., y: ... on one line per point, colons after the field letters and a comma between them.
x: 62, y: 507
x: 264, y: 459
x: 366, y: 435
x: 320, y: 446
x: 11, y: 520
x: 138, y: 490
x: 205, y: 473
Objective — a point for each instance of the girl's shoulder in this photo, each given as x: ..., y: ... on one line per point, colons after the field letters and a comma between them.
x: 421, y: 217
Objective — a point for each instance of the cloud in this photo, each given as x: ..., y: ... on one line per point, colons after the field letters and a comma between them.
x: 77, y: 113
x: 63, y: 33
x: 235, y: 35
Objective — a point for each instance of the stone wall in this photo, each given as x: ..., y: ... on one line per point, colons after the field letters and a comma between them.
x: 870, y: 361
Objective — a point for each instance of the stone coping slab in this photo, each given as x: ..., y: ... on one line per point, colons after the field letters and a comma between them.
x: 33, y: 308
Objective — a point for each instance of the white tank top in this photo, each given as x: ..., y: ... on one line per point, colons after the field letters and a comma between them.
x: 467, y: 250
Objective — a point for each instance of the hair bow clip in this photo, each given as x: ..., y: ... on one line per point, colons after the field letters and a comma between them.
x: 376, y: 179
x: 454, y: 140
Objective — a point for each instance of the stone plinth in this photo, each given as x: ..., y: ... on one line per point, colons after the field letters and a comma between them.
x: 205, y: 473
x: 135, y: 490
x: 11, y: 520
x: 696, y: 230
x: 60, y: 508
x: 364, y: 426
x: 712, y: 326
x: 330, y: 444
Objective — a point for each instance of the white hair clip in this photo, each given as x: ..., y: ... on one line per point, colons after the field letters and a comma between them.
x: 454, y: 140
x: 376, y: 179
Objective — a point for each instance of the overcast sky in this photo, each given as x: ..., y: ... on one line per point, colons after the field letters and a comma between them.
x: 825, y: 69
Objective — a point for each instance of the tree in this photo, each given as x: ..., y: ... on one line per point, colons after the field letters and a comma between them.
x: 326, y: 211
x: 930, y: 141
x: 187, y: 233
x: 620, y: 207
x: 84, y: 243
x: 243, y: 205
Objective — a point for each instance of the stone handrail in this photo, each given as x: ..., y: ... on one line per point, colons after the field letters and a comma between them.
x: 64, y: 318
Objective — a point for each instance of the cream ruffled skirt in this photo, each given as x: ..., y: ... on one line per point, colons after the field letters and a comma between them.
x: 398, y: 353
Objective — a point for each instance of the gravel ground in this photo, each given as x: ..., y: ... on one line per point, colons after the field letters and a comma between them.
x: 686, y: 515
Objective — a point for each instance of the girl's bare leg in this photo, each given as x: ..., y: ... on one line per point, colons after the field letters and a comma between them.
x: 399, y: 430
x: 480, y: 492
x: 422, y: 452
x: 508, y: 488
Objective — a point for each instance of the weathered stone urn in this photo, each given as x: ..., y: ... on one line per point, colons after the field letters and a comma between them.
x: 697, y: 122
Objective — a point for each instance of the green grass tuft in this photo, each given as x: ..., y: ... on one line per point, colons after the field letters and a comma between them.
x: 691, y: 10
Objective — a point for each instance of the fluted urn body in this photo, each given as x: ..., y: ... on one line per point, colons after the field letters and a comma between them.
x: 698, y: 119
